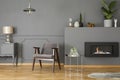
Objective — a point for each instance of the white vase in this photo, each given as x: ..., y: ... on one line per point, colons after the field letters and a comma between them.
x: 115, y: 23
x: 76, y: 24
x: 108, y: 23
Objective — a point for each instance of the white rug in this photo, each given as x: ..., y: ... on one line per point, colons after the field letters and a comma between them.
x: 115, y: 76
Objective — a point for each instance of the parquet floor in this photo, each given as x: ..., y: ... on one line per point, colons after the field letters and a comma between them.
x: 24, y: 72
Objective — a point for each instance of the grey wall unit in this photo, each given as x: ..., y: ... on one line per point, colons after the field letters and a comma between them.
x: 9, y: 50
x: 78, y: 36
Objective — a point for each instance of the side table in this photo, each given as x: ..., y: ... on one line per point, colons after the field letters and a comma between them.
x: 75, y: 68
x: 10, y: 50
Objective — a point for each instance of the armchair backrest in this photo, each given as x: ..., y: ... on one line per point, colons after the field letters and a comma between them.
x: 47, y: 48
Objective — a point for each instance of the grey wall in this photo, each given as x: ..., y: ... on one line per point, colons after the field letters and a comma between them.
x: 76, y: 37
x: 47, y: 23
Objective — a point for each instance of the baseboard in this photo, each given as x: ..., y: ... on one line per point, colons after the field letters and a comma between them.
x: 94, y: 66
x: 39, y: 64
x: 84, y: 66
x: 29, y: 64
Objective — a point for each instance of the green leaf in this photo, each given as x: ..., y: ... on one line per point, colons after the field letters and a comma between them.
x: 105, y: 4
x: 112, y: 5
x: 113, y: 11
x: 109, y: 16
x: 105, y: 12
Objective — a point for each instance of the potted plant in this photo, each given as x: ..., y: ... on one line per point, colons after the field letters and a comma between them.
x: 108, y: 11
x: 73, y: 52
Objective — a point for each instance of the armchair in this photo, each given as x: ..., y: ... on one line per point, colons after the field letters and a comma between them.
x: 49, y: 53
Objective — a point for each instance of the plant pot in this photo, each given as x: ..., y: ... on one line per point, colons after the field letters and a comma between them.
x: 108, y: 23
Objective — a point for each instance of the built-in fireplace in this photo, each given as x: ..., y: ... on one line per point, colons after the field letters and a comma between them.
x: 101, y: 49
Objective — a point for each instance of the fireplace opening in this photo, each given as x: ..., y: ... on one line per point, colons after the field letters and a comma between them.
x: 101, y: 49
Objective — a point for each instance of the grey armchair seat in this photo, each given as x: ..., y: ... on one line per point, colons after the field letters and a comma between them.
x: 50, y: 52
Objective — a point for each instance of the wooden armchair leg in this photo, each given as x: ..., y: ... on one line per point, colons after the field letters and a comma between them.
x: 53, y: 66
x: 33, y: 64
x: 58, y: 61
x: 59, y: 65
x: 57, y: 58
x: 40, y: 63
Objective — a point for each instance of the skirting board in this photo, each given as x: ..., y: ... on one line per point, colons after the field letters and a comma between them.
x: 84, y: 66
x: 93, y: 66
x: 29, y: 64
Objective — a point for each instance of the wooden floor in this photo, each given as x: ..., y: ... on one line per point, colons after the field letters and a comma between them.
x: 24, y: 72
